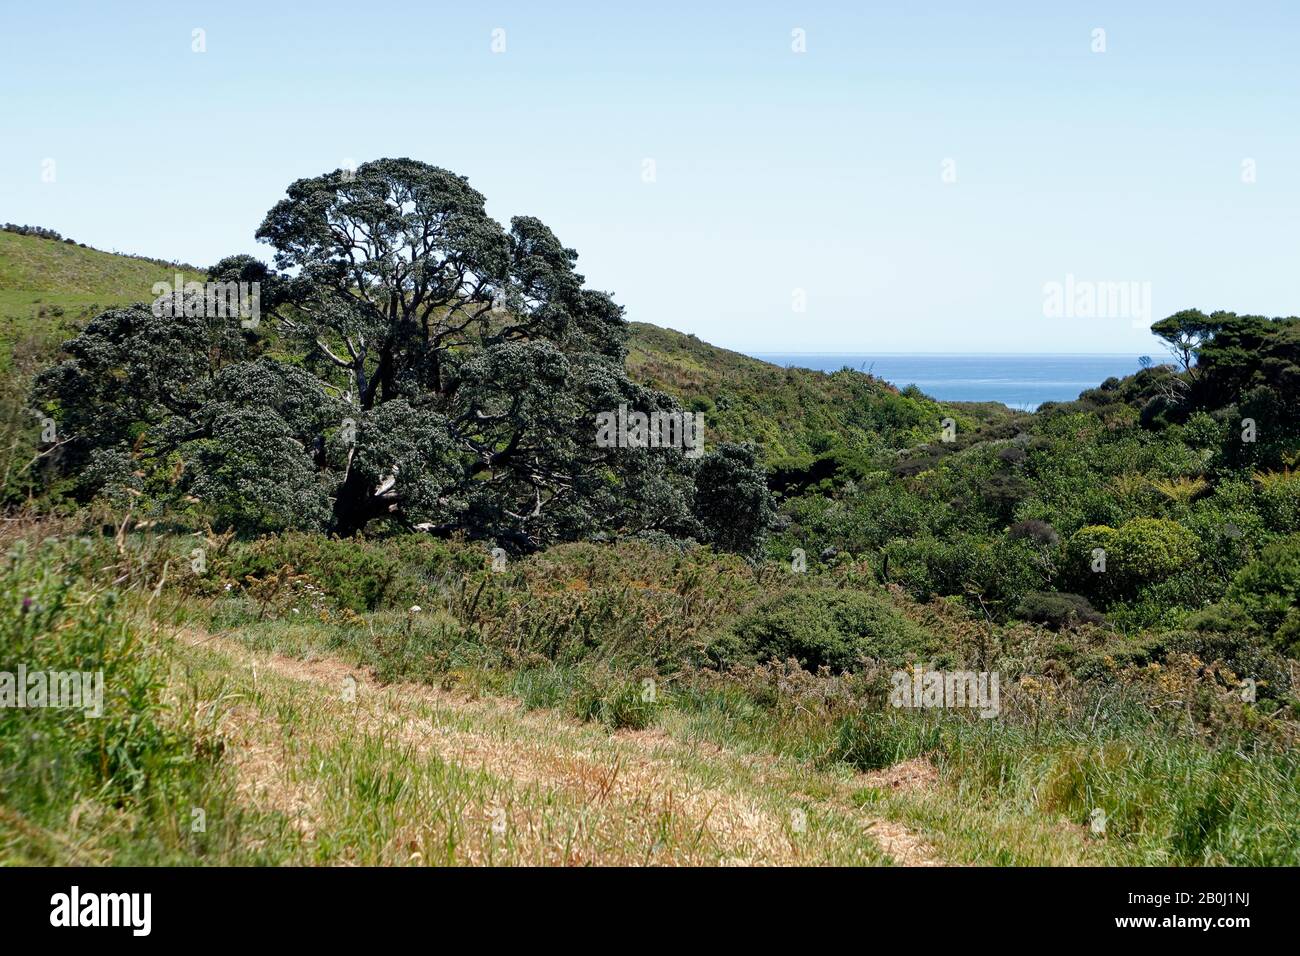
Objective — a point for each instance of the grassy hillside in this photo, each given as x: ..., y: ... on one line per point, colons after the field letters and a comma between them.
x: 792, y: 413
x: 46, y: 286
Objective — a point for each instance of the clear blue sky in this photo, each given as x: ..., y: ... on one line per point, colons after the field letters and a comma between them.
x: 775, y: 171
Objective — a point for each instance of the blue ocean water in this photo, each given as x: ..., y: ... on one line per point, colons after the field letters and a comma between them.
x: 1021, y: 381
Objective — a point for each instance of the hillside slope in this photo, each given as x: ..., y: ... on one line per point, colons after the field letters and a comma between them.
x: 47, y: 285
x: 793, y: 414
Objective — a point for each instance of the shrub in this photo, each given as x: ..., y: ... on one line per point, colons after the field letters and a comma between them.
x: 1287, y: 638
x: 1032, y: 529
x: 1223, y: 619
x: 1140, y: 552
x: 1246, y: 656
x: 999, y: 570
x: 1058, y: 609
x: 1280, y: 500
x: 1154, y: 548
x: 825, y: 627
x: 1269, y: 587
x: 357, y: 573
x: 732, y: 501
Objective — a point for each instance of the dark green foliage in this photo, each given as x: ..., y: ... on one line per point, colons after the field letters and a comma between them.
x: 1269, y: 590
x: 1058, y: 609
x: 1000, y: 571
x: 732, y: 502
x: 825, y: 627
x: 1247, y: 368
x: 417, y: 365
x: 254, y: 476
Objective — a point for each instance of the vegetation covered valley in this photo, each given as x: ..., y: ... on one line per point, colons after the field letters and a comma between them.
x: 364, y: 588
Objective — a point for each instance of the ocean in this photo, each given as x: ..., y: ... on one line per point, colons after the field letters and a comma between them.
x: 1021, y: 381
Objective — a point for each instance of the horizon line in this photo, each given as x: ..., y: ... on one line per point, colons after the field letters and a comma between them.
x: 944, y: 354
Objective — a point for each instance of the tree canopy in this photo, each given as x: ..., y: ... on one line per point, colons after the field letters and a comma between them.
x: 418, y: 365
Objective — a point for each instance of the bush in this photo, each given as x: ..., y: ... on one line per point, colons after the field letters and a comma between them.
x: 1058, y: 609
x: 825, y: 627
x: 356, y: 573
x: 1246, y: 656
x: 732, y: 501
x: 1269, y: 587
x: 999, y: 570
x: 1140, y: 552
x: 1039, y: 532
x: 1287, y: 638
x: 1154, y: 548
x: 1280, y: 501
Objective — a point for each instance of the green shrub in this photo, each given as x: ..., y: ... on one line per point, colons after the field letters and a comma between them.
x: 1153, y: 548
x: 1246, y: 656
x: 1058, y: 609
x: 825, y: 627
x: 1269, y: 587
x: 356, y: 573
x: 1000, y: 570
x: 1140, y: 552
x: 1280, y: 501
x: 419, y: 646
x: 631, y: 605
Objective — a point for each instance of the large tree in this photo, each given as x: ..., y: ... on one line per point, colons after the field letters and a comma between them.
x: 1184, y: 333
x: 418, y: 363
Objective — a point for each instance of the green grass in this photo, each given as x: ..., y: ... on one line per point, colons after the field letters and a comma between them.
x: 46, y: 286
x: 491, y: 706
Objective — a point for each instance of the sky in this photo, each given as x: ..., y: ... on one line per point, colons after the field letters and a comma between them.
x: 776, y: 177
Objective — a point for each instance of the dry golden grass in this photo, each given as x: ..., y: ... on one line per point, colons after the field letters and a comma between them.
x: 407, y: 773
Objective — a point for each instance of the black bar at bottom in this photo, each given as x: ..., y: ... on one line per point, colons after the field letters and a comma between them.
x: 333, y: 906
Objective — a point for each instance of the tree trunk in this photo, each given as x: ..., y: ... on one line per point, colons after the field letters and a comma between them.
x: 354, y: 506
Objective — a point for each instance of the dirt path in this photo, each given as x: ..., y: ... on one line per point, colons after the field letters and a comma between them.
x: 575, y: 793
